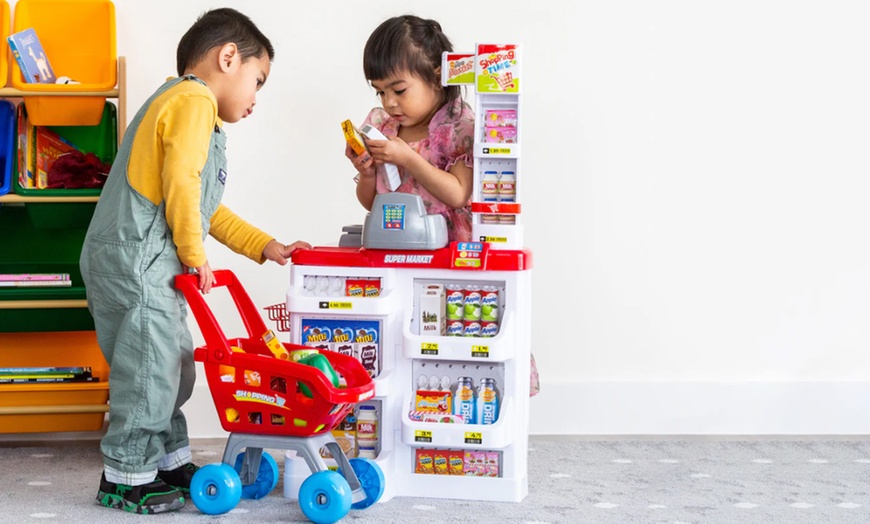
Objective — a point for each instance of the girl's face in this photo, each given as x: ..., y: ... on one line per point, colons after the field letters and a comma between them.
x: 408, y: 99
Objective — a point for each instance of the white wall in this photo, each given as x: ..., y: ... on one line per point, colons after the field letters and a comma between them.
x: 695, y: 186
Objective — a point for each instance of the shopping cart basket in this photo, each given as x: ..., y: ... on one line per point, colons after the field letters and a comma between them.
x: 260, y: 400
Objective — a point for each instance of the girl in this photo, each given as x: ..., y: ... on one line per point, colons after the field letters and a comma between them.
x: 430, y: 129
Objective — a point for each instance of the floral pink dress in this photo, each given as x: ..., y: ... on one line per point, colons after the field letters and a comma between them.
x: 450, y: 140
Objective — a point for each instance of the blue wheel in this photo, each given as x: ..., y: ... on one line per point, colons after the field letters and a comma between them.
x: 215, y: 489
x: 267, y: 477
x: 371, y: 477
x: 325, y: 497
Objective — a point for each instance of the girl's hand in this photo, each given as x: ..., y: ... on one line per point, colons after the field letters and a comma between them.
x: 363, y: 163
x: 394, y: 151
x: 278, y: 252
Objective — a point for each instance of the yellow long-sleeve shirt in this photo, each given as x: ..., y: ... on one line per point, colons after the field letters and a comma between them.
x: 168, y: 153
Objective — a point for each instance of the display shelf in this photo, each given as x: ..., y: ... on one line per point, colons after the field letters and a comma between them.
x: 464, y: 436
x: 495, y: 489
x: 368, y: 306
x: 499, y: 348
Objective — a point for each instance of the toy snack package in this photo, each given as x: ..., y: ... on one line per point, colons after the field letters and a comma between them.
x: 353, y: 138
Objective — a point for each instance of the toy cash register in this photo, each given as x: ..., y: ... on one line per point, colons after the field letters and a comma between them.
x: 399, y: 221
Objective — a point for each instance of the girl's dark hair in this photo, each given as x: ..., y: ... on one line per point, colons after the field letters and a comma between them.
x: 216, y: 28
x: 408, y: 43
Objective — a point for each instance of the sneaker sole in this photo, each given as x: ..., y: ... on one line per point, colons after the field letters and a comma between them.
x: 111, y: 500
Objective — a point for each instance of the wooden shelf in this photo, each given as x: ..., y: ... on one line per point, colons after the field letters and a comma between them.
x: 43, y: 304
x: 11, y: 92
x: 13, y: 198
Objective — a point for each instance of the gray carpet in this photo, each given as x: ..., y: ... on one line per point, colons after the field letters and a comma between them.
x: 604, y: 480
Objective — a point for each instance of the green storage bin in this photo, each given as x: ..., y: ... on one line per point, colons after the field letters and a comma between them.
x: 34, y: 250
x: 101, y: 140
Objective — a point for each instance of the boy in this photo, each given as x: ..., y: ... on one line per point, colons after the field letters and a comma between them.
x: 162, y: 197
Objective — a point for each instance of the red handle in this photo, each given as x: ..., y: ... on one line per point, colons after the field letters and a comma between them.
x: 211, y: 330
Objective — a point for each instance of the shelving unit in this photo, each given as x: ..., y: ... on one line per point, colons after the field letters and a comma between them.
x: 51, y: 326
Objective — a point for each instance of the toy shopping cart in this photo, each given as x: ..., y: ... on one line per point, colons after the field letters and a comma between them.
x: 266, y: 402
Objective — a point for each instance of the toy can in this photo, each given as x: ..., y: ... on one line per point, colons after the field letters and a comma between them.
x: 488, y: 329
x: 471, y: 328
x: 489, y: 304
x: 455, y: 302
x: 471, y: 301
x: 455, y: 328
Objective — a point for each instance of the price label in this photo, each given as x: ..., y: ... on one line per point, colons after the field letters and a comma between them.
x: 494, y: 240
x: 480, y: 351
x: 473, y: 438
x: 496, y: 151
x: 429, y: 348
x: 422, y: 436
x: 336, y: 305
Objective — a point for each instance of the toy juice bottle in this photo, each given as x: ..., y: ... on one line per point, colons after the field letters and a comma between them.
x: 487, y: 402
x: 464, y: 400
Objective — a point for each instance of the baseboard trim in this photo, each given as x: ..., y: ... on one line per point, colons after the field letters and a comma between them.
x: 701, y: 408
x: 664, y: 408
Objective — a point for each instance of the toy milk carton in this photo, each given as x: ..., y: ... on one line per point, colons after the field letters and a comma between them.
x: 432, y: 308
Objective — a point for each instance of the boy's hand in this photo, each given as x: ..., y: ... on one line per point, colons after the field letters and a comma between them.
x: 278, y: 252
x: 363, y: 163
x: 206, y: 278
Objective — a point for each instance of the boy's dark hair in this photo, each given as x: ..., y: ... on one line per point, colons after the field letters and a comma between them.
x: 216, y: 28
x: 408, y: 43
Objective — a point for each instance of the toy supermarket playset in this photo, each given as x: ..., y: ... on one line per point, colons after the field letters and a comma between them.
x: 418, y: 352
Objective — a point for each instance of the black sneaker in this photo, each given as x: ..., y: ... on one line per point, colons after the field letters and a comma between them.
x: 155, y: 497
x: 179, y: 478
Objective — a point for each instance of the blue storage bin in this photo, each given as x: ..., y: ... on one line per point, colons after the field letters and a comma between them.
x: 7, y: 145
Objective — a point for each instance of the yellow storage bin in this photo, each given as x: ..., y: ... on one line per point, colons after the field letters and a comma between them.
x: 38, y: 408
x: 5, y: 23
x: 78, y: 37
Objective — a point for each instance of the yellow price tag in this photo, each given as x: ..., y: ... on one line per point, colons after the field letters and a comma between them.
x: 494, y: 240
x: 335, y: 305
x: 422, y: 436
x: 429, y: 348
x: 480, y: 351
x: 497, y: 151
x: 473, y: 438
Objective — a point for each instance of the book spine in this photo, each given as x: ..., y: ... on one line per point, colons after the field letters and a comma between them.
x: 46, y: 380
x: 18, y: 277
x: 35, y: 370
x: 35, y: 283
x: 21, y: 65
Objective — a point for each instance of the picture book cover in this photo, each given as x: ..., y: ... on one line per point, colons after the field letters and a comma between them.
x: 31, y: 58
x: 26, y: 178
x: 49, y: 146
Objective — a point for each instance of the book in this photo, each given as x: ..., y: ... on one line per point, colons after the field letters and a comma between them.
x: 28, y: 52
x: 9, y: 277
x: 47, y: 379
x: 45, y: 371
x: 26, y: 177
x: 48, y: 147
x: 35, y: 283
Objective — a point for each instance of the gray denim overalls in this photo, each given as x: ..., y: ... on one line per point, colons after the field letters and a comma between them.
x: 128, y: 263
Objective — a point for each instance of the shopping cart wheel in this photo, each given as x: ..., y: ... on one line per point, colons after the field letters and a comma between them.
x: 371, y: 477
x: 215, y: 489
x: 325, y: 497
x: 267, y: 477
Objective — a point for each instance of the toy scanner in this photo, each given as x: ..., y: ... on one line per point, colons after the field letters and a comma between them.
x: 399, y: 221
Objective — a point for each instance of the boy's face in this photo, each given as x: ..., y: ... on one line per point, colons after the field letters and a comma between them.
x: 407, y: 98
x: 237, y: 101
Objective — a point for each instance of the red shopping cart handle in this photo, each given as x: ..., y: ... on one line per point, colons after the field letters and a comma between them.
x: 214, y: 336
